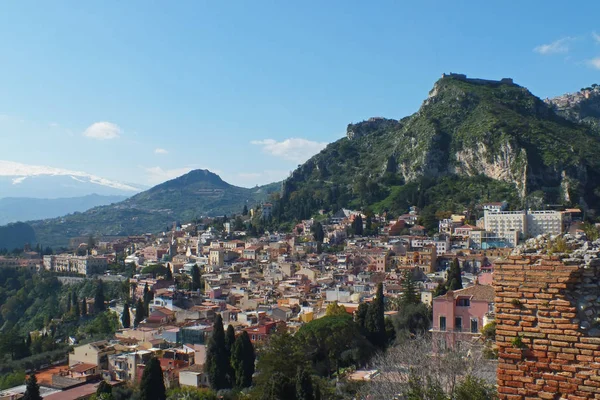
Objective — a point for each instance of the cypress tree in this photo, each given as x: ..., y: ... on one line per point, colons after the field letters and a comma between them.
x: 99, y: 305
x: 375, y: 319
x: 83, y: 307
x: 454, y: 276
x: 69, y: 302
x: 361, y: 314
x: 125, y: 317
x: 139, y: 313
x: 148, y: 296
x: 152, y: 384
x: 229, y: 337
x: 242, y: 360
x: 196, y: 284
x: 169, y: 274
x: 217, y: 361
x: 76, y: 309
x: 304, y: 387
x: 32, y: 391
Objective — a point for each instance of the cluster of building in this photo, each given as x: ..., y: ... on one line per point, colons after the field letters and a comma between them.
x: 279, y: 281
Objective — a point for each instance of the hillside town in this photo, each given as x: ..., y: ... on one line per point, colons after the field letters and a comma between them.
x: 187, y: 276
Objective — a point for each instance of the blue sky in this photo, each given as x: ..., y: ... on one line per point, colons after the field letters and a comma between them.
x: 142, y: 91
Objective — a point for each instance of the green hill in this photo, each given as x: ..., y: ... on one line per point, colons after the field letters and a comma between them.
x: 195, y: 194
x: 472, y: 140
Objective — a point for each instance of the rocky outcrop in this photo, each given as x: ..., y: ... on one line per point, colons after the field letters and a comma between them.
x: 507, y: 163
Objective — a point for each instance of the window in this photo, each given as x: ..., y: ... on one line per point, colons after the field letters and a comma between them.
x: 474, y: 326
x: 442, y: 323
x: 458, y: 324
x: 463, y: 302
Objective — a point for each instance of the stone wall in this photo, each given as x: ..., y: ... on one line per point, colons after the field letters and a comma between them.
x: 553, y: 307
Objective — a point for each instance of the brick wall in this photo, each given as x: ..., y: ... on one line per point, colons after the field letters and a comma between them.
x: 549, y: 305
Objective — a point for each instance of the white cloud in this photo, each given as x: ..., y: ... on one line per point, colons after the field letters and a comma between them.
x: 556, y: 47
x: 20, y: 171
x: 53, y: 125
x: 596, y: 37
x: 160, y: 151
x: 102, y: 131
x: 594, y: 63
x: 156, y: 175
x: 293, y: 149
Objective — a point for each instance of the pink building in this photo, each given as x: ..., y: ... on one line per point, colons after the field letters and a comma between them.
x: 459, y: 315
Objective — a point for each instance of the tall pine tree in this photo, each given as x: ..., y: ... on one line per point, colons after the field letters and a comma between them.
x: 409, y: 291
x: 32, y: 391
x: 217, y: 361
x: 126, y: 317
x: 152, y: 384
x: 169, y: 274
x: 242, y: 360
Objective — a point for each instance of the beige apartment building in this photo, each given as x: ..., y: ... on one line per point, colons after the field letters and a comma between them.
x: 83, y: 265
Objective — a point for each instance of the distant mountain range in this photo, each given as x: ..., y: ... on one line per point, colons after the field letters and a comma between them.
x: 193, y: 195
x: 13, y: 209
x: 36, y: 181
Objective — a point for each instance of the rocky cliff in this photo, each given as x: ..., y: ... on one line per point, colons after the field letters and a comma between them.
x: 466, y: 129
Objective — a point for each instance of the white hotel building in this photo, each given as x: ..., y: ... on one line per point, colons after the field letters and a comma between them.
x: 511, y: 225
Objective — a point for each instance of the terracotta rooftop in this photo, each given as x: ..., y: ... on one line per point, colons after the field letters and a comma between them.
x: 476, y: 292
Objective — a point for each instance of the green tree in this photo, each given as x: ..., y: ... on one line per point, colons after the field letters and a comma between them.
x: 413, y: 319
x: 152, y: 384
x: 441, y: 289
x: 229, y: 338
x: 76, y: 309
x: 32, y: 391
x: 196, y: 282
x: 99, y: 300
x: 140, y: 313
x: 357, y: 225
x: 245, y: 210
x: 148, y: 296
x: 103, y: 388
x: 361, y: 315
x: 454, y: 276
x: 242, y: 360
x: 472, y: 388
x: 217, y: 360
x: 409, y: 290
x: 83, y: 307
x: 304, y: 385
x: 277, y: 366
x: 375, y: 319
x: 318, y: 233
x: 169, y: 274
x: 126, y: 317
x: 335, y: 309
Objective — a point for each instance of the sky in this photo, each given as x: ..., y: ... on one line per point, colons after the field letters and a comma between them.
x: 141, y: 91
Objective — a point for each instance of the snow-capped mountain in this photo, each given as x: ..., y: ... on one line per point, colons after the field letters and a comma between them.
x: 24, y: 180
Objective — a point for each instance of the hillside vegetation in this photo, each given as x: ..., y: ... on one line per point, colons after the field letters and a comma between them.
x: 471, y: 141
x: 193, y: 195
